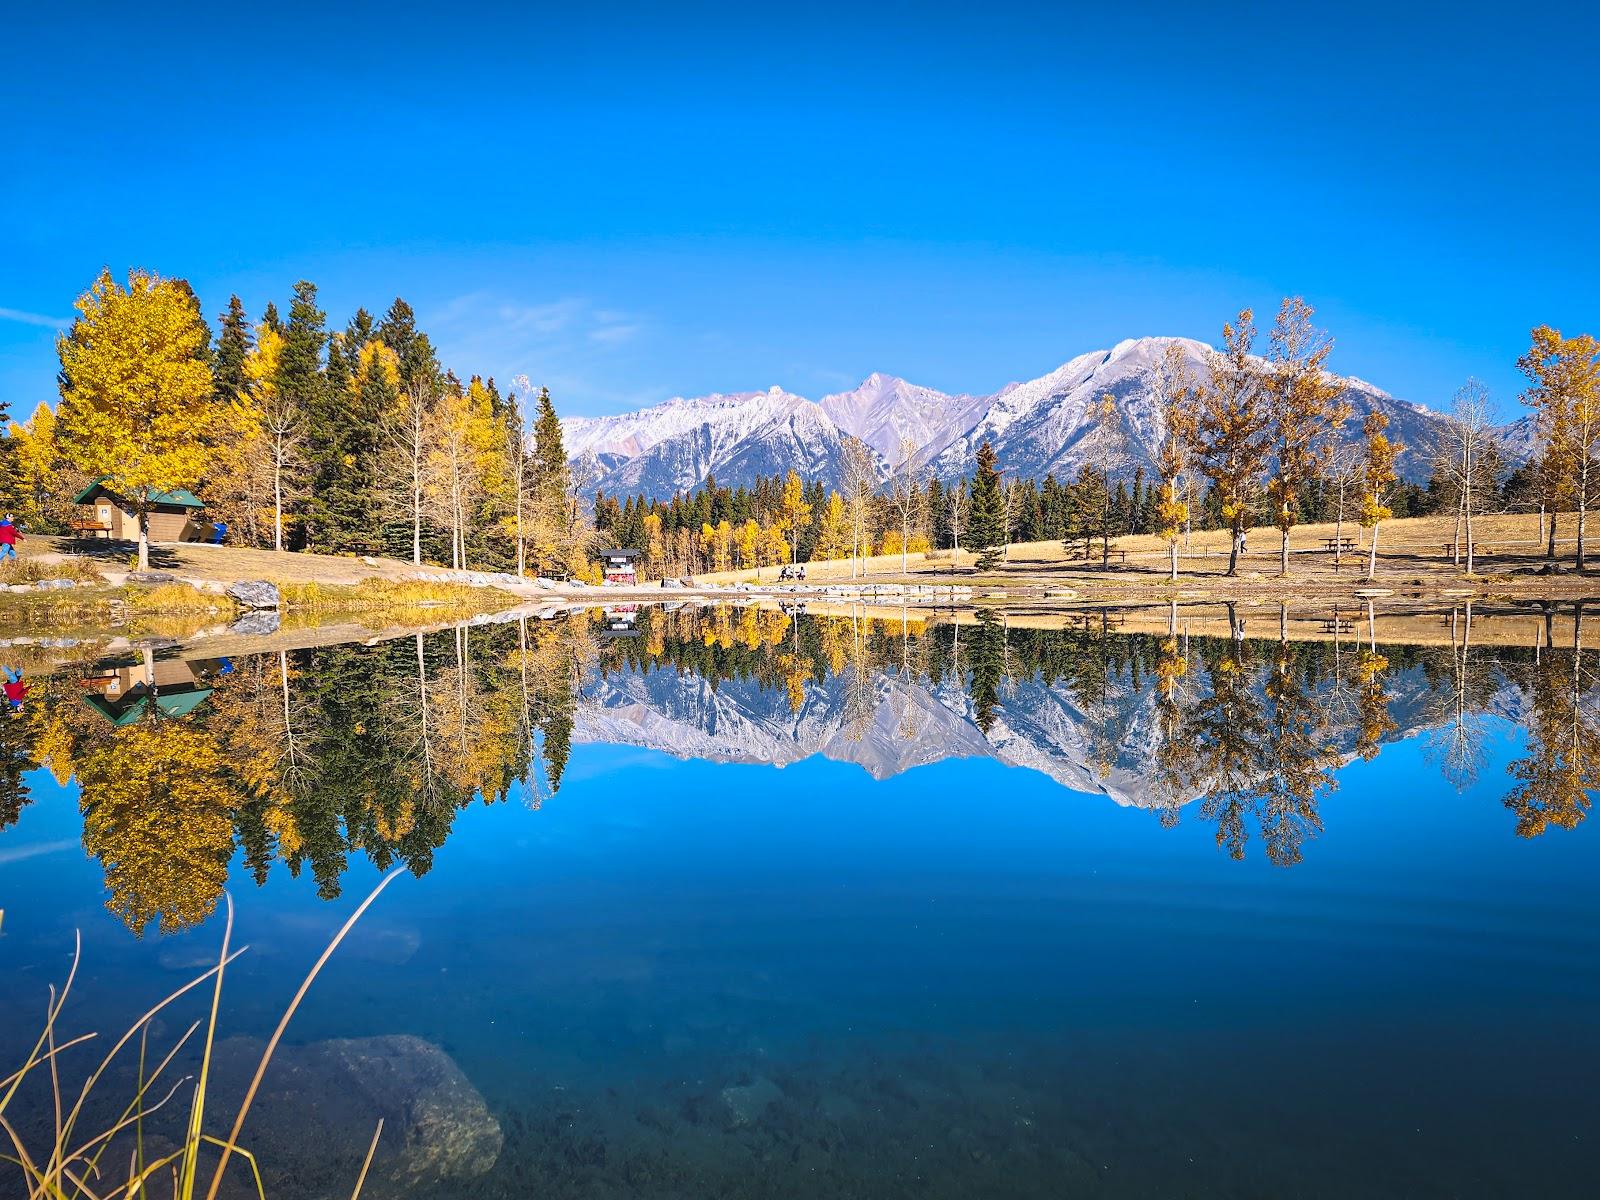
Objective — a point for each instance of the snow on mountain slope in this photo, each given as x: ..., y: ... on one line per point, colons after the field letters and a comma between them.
x: 885, y: 411
x: 1037, y: 427
x: 765, y: 433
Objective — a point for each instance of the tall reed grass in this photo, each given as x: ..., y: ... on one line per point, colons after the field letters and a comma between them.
x: 72, y: 1163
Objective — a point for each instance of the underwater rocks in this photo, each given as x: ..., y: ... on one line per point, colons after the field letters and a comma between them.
x: 314, y: 1117
x: 746, y: 1103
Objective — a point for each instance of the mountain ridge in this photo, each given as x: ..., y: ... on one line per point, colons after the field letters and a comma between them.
x: 1037, y: 426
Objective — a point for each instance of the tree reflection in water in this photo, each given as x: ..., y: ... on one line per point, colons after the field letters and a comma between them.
x: 305, y: 758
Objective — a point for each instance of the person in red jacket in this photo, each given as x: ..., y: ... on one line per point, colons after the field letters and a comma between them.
x: 16, y: 691
x: 9, y: 535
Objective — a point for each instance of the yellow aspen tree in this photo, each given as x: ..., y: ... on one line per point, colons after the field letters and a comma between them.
x: 1302, y: 400
x: 1564, y: 374
x: 774, y: 544
x: 748, y: 540
x: 39, y: 486
x: 1378, y: 477
x: 833, y: 537
x: 136, y: 393
x: 655, y: 546
x: 1229, y: 434
x: 796, y: 512
x: 1170, y: 384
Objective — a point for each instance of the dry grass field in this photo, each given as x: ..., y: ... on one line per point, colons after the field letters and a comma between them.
x: 1409, y: 549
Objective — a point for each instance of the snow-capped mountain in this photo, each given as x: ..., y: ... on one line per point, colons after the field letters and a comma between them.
x: 886, y: 413
x: 1037, y: 427
x: 888, y: 723
x: 675, y: 446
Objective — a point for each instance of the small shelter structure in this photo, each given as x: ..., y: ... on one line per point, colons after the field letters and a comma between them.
x: 174, y: 516
x: 123, y: 695
x: 620, y: 567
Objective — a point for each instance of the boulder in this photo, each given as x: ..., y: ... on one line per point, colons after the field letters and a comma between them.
x: 313, y: 1119
x: 53, y: 585
x: 152, y: 577
x: 254, y: 593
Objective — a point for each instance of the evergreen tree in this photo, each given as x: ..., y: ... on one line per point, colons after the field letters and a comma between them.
x: 399, y: 332
x: 301, y: 382
x: 986, y: 521
x: 234, y: 344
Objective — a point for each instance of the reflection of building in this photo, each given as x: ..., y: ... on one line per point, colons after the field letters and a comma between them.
x: 174, y: 516
x: 621, y: 620
x: 620, y: 567
x: 122, y: 694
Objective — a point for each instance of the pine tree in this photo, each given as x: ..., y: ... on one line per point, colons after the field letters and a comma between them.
x: 399, y: 332
x: 234, y: 343
x: 301, y: 384
x: 985, y: 530
x: 551, y: 479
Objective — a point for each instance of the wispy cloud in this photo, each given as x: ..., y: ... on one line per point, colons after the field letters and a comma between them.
x: 610, y: 335
x: 580, y: 348
x: 29, y: 318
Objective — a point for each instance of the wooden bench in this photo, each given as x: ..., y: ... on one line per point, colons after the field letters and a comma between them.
x: 86, y: 531
x: 1479, y: 549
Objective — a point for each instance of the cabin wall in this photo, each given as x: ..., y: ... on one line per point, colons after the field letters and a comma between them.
x: 166, y: 525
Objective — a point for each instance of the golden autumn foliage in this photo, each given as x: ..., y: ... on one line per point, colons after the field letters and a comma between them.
x: 136, y: 393
x: 158, y: 814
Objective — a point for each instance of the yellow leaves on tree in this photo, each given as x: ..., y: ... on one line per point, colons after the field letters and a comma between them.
x: 796, y: 512
x: 1378, y: 477
x: 136, y: 393
x: 158, y: 814
x: 1228, y: 432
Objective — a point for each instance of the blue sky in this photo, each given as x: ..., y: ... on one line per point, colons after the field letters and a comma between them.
x: 640, y: 201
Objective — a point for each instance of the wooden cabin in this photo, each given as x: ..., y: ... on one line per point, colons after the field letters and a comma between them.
x: 122, y: 695
x: 620, y: 567
x: 174, y: 516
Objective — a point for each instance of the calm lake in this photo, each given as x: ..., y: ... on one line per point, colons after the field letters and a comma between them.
x: 728, y: 902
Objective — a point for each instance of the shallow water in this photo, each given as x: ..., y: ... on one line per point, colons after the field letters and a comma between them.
x: 837, y: 907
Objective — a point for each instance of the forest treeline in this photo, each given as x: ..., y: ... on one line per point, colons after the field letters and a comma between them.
x: 296, y: 435
x: 357, y: 440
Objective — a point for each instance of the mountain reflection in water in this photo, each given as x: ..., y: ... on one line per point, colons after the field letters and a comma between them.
x: 301, y: 759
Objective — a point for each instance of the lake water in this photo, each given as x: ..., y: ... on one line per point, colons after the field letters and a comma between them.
x: 729, y: 902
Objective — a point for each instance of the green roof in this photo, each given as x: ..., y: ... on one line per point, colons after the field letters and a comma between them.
x: 182, y: 497
x: 172, y: 704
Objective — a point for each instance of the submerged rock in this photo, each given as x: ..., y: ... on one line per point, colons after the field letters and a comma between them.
x: 313, y: 1119
x: 746, y: 1103
x: 254, y: 593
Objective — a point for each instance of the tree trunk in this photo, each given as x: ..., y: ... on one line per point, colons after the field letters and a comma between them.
x: 277, y: 503
x: 1283, y: 554
x: 1174, y: 549
x: 1468, y: 515
x: 1233, y: 548
x: 905, y: 541
x: 144, y: 535
x: 1338, y: 530
x: 1372, y: 555
x: 1583, y: 507
x: 1550, y: 546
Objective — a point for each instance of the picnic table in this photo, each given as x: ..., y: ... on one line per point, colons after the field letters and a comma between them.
x: 1335, y: 545
x: 1479, y: 549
